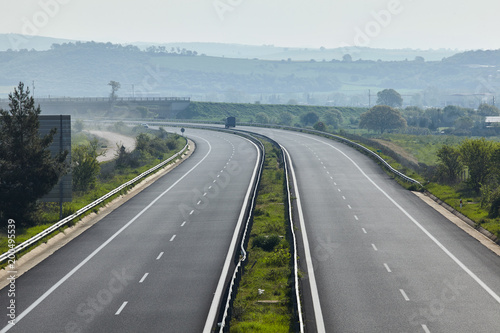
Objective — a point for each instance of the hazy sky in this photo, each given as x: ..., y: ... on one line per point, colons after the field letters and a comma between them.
x: 424, y: 24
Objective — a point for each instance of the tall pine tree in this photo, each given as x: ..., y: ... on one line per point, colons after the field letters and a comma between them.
x: 27, y: 169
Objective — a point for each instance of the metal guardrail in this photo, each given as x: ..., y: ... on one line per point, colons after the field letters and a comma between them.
x: 305, y: 130
x: 368, y: 151
x: 81, y: 211
x: 238, y: 270
x: 373, y: 154
x: 346, y: 141
x: 295, y: 254
x: 107, y: 99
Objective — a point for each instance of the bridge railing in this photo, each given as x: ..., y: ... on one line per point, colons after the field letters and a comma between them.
x: 107, y: 99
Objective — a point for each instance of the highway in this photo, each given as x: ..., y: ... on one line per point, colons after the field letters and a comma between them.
x: 155, y: 263
x: 382, y: 260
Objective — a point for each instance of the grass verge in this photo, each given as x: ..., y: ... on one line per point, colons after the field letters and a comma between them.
x: 263, y: 302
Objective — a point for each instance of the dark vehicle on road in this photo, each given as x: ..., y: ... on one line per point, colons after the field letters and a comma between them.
x: 230, y: 122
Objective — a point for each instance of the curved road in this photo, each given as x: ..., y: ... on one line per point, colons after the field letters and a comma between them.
x: 152, y: 265
x: 383, y: 260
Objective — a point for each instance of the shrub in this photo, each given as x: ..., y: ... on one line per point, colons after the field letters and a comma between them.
x: 267, y: 243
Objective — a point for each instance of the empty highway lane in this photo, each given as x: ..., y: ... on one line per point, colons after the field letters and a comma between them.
x: 153, y: 264
x: 383, y: 260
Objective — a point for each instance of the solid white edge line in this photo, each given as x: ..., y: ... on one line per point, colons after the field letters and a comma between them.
x: 288, y: 161
x: 212, y: 313
x: 427, y: 233
x: 96, y: 251
x: 121, y: 308
x: 318, y: 314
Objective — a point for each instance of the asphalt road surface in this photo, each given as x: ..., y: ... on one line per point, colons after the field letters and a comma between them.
x: 152, y: 265
x: 383, y: 260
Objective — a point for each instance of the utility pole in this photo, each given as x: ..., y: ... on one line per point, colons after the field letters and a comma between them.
x: 369, y: 98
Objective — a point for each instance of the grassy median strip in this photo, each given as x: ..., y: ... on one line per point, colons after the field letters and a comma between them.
x: 263, y: 302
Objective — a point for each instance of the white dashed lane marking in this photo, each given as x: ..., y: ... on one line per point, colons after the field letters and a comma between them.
x: 404, y: 295
x: 143, y: 278
x: 121, y: 308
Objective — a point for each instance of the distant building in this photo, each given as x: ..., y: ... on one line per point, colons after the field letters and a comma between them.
x: 492, y: 121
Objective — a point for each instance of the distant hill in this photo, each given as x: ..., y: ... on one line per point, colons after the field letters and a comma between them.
x: 270, y: 52
x: 263, y: 52
x: 18, y: 42
x: 85, y: 69
x: 477, y: 58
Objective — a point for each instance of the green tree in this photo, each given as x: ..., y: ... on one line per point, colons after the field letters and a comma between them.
x: 114, y: 88
x: 309, y: 118
x: 450, y: 164
x: 261, y: 118
x: 450, y: 114
x: 27, y: 169
x: 346, y: 58
x: 465, y: 123
x: 476, y: 154
x: 333, y: 117
x: 319, y: 126
x: 382, y: 118
x: 488, y: 110
x: 286, y: 118
x: 389, y: 97
x: 85, y: 166
x: 78, y: 125
x: 143, y: 111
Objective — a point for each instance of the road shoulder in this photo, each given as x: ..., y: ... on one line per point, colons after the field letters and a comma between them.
x: 483, y: 239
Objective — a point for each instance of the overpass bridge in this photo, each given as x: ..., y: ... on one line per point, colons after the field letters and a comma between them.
x: 165, y: 107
